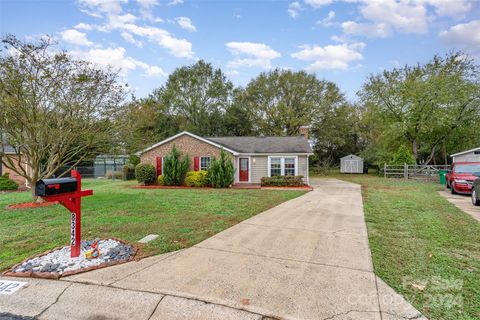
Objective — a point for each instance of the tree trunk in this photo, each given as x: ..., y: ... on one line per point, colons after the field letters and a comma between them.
x: 415, y: 149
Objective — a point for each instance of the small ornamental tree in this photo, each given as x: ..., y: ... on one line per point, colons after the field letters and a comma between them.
x: 175, y: 168
x: 402, y: 156
x: 221, y: 173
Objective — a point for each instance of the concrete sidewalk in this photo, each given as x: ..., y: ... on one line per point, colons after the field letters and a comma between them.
x: 307, y: 258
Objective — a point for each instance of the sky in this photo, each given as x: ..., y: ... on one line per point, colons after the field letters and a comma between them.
x: 339, y: 40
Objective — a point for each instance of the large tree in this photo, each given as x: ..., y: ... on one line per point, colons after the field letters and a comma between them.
x: 425, y: 105
x: 282, y: 101
x: 53, y: 109
x: 198, y: 96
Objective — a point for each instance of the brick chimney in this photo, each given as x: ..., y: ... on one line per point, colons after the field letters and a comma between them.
x: 303, y: 130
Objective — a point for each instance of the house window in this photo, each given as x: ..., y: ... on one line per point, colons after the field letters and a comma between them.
x: 289, y: 167
x: 282, y: 166
x: 204, y: 163
x: 275, y: 167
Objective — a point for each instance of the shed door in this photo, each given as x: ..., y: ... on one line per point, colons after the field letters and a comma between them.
x: 351, y: 166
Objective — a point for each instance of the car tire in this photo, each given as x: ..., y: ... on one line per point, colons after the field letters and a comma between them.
x: 475, y: 200
x: 452, y: 189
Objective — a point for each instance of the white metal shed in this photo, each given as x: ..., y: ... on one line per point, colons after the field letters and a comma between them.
x: 351, y: 164
x: 472, y: 155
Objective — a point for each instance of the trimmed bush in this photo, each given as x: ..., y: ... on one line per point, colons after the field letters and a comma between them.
x: 160, y: 180
x: 7, y: 184
x: 221, y: 172
x: 145, y: 173
x: 196, y: 179
x: 129, y: 171
x: 175, y: 168
x: 282, y: 181
x: 111, y: 174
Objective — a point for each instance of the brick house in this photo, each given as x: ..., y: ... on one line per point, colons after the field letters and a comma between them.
x: 253, y: 157
x: 10, y: 152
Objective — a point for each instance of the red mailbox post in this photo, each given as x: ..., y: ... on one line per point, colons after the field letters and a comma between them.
x: 64, y: 191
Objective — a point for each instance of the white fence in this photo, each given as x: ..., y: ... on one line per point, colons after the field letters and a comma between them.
x: 419, y: 172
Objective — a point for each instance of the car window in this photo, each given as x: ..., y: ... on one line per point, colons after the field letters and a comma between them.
x: 467, y: 168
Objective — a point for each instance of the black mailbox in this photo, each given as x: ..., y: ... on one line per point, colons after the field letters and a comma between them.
x: 50, y: 187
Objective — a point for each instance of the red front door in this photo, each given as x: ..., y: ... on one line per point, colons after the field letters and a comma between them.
x: 243, y: 169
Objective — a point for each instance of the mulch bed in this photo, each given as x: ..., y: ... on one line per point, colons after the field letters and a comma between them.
x: 54, y: 275
x: 31, y: 205
x: 167, y: 187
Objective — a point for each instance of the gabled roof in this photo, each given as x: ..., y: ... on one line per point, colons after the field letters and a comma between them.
x: 5, y: 147
x: 188, y: 134
x: 463, y: 152
x: 249, y: 145
x: 264, y: 144
x: 351, y: 156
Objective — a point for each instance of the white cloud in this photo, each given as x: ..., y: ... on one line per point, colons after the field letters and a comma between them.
x: 318, y: 3
x: 257, y: 54
x: 451, y: 8
x: 115, y: 58
x: 330, y: 57
x: 146, y: 7
x: 83, y: 26
x: 404, y: 16
x: 131, y: 39
x: 379, y: 30
x: 294, y: 9
x: 465, y: 36
x: 174, y: 2
x: 328, y: 20
x: 104, y: 6
x: 186, y: 23
x: 75, y: 37
x: 180, y: 48
x: 126, y: 24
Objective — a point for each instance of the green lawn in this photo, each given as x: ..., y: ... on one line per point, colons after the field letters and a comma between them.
x: 181, y: 217
x: 419, y: 239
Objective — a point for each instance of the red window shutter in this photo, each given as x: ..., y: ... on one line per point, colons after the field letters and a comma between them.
x: 196, y: 163
x: 159, y: 166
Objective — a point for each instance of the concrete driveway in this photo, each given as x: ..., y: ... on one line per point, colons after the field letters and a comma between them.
x: 307, y: 258
x: 462, y: 202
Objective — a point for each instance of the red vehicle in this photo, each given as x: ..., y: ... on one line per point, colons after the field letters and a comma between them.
x: 460, y: 178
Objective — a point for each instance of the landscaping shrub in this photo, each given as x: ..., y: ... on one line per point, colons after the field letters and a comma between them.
x: 129, y: 171
x: 402, y: 156
x: 196, y: 179
x: 145, y: 173
x: 221, y: 172
x: 111, y: 174
x: 160, y: 180
x: 175, y: 168
x: 282, y: 181
x: 7, y: 184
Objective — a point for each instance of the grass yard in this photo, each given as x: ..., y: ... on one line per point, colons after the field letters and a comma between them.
x: 423, y: 246
x: 181, y: 217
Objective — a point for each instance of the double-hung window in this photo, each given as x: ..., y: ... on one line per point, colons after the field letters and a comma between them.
x: 282, y: 166
x: 204, y: 163
x: 275, y: 166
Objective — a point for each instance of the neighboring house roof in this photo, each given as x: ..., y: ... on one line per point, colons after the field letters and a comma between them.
x: 264, y: 144
x: 464, y: 152
x: 237, y: 145
x: 8, y: 149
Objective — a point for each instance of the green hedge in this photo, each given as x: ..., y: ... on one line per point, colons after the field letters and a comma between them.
x: 221, y: 172
x: 145, y: 173
x: 129, y: 171
x: 283, y: 181
x: 7, y: 184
